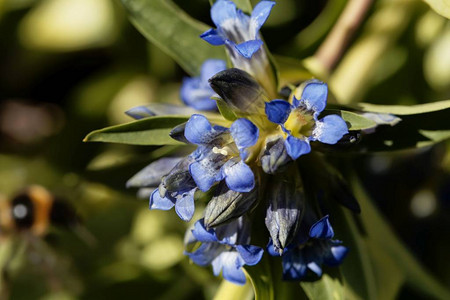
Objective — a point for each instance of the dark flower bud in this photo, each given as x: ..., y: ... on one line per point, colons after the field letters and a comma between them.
x: 275, y: 157
x: 177, y: 133
x: 179, y: 178
x: 240, y: 91
x: 227, y: 205
x: 285, y: 209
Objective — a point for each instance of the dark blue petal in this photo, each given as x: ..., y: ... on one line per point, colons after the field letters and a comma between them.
x: 184, y: 206
x: 222, y: 11
x: 210, y: 68
x: 250, y: 254
x: 296, y: 147
x: 248, y: 48
x: 203, y: 235
x: 238, y: 176
x: 314, y: 96
x: 294, y: 267
x: 232, y: 267
x: 260, y: 14
x: 277, y: 111
x: 322, y: 229
x: 213, y: 37
x: 330, y: 129
x: 245, y: 134
x: 158, y: 202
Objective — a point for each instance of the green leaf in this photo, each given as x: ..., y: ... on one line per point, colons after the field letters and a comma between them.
x: 402, y: 110
x: 148, y: 131
x: 175, y: 32
x: 325, y: 289
x: 354, y: 121
x: 228, y: 290
x: 413, y: 131
x: 381, y: 239
x: 243, y: 5
x: 261, y: 278
x: 225, y: 110
x: 442, y: 7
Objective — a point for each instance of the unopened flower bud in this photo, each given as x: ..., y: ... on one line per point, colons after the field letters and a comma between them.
x: 227, y: 205
x: 285, y: 209
x: 275, y: 157
x: 240, y: 91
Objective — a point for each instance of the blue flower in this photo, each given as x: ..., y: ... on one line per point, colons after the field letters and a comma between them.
x: 177, y: 188
x: 238, y: 31
x: 300, y: 123
x: 226, y: 248
x: 221, y: 153
x: 196, y: 92
x: 312, y: 252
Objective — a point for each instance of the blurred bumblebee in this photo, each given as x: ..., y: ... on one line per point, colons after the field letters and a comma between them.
x: 34, y: 210
x: 25, y: 219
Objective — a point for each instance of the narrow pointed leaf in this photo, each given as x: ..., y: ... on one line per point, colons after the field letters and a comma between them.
x: 175, y: 32
x: 148, y: 131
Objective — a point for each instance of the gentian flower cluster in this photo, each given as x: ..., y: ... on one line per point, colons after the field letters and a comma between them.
x: 249, y: 164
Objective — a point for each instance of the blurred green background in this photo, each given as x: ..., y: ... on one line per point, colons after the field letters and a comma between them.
x: 68, y: 67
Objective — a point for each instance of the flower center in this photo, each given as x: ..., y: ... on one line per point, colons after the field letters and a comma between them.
x: 300, y: 123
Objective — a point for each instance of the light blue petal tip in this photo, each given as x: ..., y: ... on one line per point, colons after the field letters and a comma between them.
x: 330, y: 129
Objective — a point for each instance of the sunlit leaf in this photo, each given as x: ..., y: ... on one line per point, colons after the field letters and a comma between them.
x: 442, y: 7
x: 405, y: 109
x: 325, y: 289
x: 356, y: 122
x: 175, y: 32
x: 149, y: 131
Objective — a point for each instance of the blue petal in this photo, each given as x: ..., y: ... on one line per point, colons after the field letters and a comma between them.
x: 245, y: 134
x: 210, y: 68
x: 222, y: 11
x: 271, y: 249
x: 277, y: 111
x: 238, y: 176
x: 294, y: 267
x: 140, y: 112
x: 250, y: 254
x: 248, y: 48
x: 202, y: 176
x: 205, y: 254
x: 314, y: 96
x: 330, y: 129
x: 213, y: 37
x: 158, y: 202
x: 337, y: 255
x: 199, y: 131
x: 197, y: 95
x: 296, y: 147
x: 203, y: 235
x: 313, y: 266
x: 232, y: 267
x: 322, y: 229
x: 260, y: 14
x: 185, y: 207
